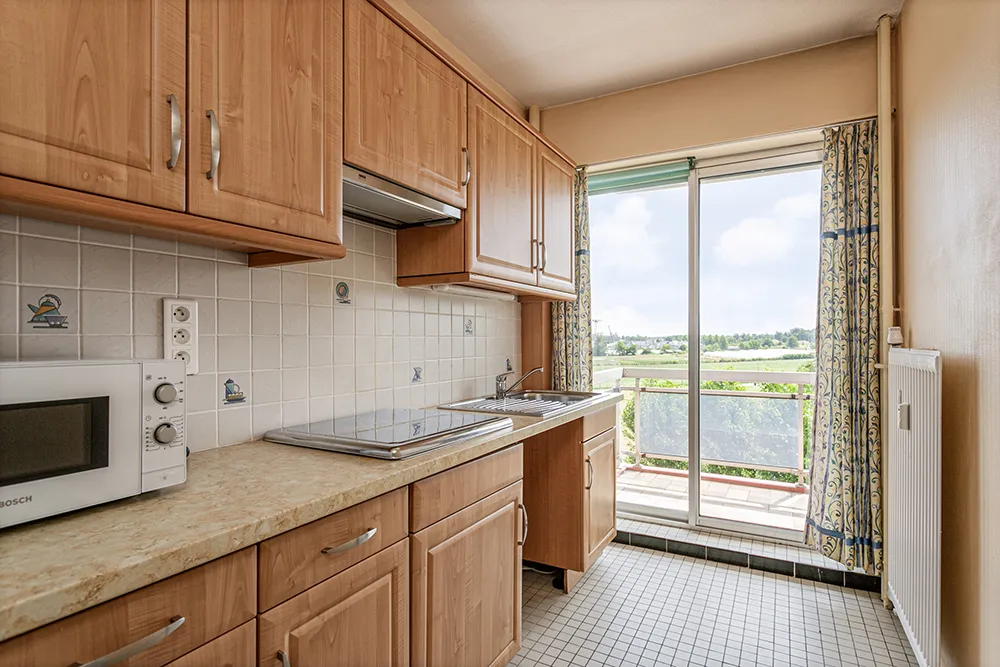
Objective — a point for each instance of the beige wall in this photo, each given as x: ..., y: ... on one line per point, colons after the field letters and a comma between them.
x: 797, y: 91
x: 949, y: 254
x: 432, y: 33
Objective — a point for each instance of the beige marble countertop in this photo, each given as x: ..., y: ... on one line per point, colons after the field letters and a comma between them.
x: 234, y: 497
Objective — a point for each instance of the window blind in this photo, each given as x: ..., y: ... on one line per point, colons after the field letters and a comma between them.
x: 640, y: 178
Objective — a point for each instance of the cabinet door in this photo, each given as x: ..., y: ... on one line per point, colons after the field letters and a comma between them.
x: 270, y: 75
x: 405, y: 109
x: 358, y: 618
x: 501, y: 214
x: 599, y: 504
x: 233, y: 649
x: 466, y: 588
x: 84, y: 88
x: 555, y: 221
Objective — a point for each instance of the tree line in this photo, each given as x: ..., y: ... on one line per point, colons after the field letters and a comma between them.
x: 631, y: 345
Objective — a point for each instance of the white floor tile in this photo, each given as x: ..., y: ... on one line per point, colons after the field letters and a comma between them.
x: 638, y: 607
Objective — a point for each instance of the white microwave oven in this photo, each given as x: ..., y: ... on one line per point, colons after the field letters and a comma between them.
x: 79, y: 433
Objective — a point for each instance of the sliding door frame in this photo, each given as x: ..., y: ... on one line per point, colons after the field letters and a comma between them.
x: 738, y: 166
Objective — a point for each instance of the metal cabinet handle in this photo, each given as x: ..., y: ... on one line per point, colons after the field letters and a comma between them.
x: 534, y: 254
x: 468, y: 167
x: 590, y: 466
x: 350, y: 544
x: 175, y: 131
x: 524, y: 526
x: 283, y: 657
x: 545, y: 255
x: 136, y: 647
x: 216, y: 144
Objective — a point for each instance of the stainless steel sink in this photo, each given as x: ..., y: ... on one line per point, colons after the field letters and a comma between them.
x: 527, y: 403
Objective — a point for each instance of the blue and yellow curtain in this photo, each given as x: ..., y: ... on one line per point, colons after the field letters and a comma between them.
x: 572, y: 353
x: 844, y: 521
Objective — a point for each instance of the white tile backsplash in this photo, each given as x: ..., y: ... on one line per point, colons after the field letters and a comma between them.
x: 280, y: 334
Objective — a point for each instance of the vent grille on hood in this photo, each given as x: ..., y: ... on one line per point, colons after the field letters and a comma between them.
x: 383, y: 202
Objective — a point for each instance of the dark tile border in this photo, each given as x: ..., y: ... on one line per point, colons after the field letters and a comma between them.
x: 825, y: 575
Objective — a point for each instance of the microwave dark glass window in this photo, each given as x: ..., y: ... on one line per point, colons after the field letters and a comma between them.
x: 52, y: 438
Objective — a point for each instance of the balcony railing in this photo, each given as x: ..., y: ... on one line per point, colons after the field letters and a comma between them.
x: 744, y: 422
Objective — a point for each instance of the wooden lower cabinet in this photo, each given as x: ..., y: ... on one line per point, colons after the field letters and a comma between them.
x: 570, y: 484
x: 599, y: 493
x: 465, y: 599
x: 359, y: 618
x: 233, y: 649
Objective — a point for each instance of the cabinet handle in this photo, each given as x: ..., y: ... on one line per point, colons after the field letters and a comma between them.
x: 590, y: 466
x: 283, y: 657
x: 136, y: 647
x: 350, y: 544
x: 534, y: 254
x: 216, y: 144
x: 524, y: 526
x: 468, y: 168
x: 545, y: 255
x: 175, y: 131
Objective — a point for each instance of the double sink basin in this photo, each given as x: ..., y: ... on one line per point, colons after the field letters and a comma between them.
x: 527, y: 403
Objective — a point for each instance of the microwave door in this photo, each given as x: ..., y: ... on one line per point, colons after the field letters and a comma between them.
x: 47, y: 439
x: 70, y: 437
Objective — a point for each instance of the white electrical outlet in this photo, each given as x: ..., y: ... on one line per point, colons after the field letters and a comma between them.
x: 180, y: 332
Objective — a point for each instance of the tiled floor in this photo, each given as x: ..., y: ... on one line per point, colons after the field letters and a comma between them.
x: 736, y: 502
x: 637, y: 607
x: 750, y: 545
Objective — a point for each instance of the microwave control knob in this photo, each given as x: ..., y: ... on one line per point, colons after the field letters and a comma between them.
x: 165, y: 433
x: 165, y: 393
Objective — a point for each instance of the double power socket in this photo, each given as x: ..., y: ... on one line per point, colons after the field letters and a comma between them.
x: 180, y: 332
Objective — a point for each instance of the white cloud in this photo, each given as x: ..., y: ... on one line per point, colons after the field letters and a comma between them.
x: 754, y: 241
x: 622, y: 238
x: 799, y: 207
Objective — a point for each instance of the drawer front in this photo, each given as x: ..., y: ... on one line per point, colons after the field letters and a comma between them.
x: 237, y: 648
x: 441, y: 495
x: 301, y: 558
x: 213, y: 599
x: 597, y: 423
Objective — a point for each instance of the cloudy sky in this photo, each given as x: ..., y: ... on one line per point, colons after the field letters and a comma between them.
x: 759, y: 256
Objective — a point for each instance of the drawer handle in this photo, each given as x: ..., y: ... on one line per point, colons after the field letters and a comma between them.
x: 136, y: 647
x: 283, y: 657
x: 590, y: 466
x: 213, y: 165
x: 468, y: 168
x: 175, y: 131
x: 524, y: 526
x: 350, y: 544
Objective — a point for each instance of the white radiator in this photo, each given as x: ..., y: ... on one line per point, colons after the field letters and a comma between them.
x: 913, y: 550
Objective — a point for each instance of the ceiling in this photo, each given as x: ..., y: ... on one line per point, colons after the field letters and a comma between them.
x: 550, y: 52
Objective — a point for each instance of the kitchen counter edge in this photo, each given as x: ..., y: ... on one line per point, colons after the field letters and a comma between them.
x: 234, y: 497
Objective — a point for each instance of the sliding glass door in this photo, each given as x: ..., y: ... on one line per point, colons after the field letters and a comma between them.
x: 710, y: 286
x: 757, y: 268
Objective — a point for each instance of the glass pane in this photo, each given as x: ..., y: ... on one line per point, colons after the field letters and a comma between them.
x: 41, y: 440
x: 639, y: 285
x: 756, y: 431
x: 758, y: 280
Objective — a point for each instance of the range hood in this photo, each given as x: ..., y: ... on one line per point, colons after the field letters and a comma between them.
x: 385, y: 203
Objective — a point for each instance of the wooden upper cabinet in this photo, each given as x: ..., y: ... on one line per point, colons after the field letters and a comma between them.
x: 84, y: 89
x: 405, y: 109
x: 265, y: 107
x: 501, y: 213
x: 555, y: 221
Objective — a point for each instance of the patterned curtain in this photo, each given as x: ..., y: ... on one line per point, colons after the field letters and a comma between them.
x: 572, y: 354
x: 845, y: 485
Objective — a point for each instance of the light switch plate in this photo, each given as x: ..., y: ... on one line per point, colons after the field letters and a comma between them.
x: 180, y: 332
